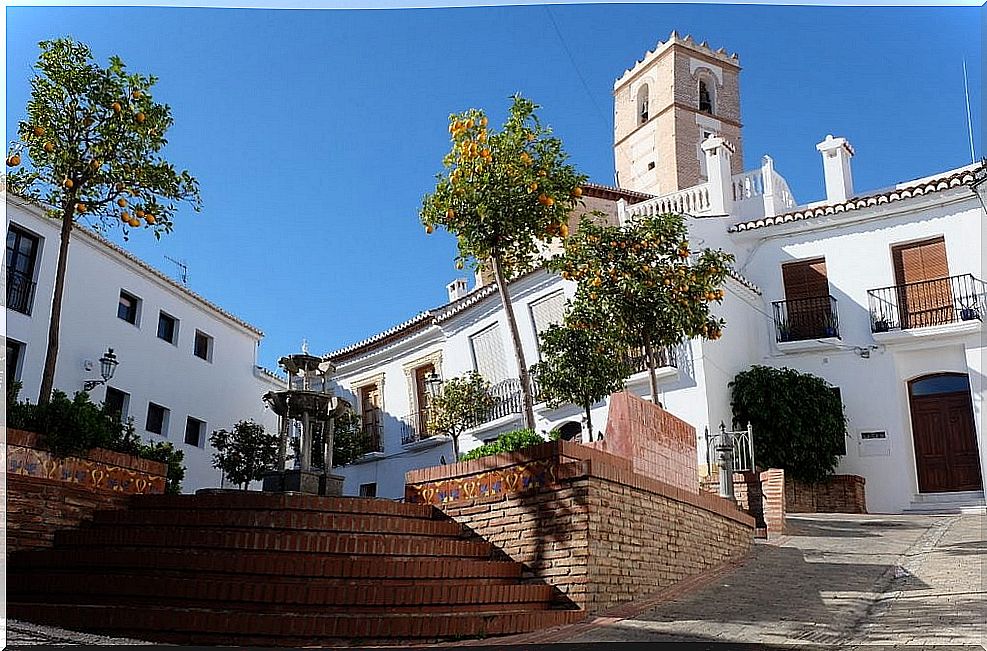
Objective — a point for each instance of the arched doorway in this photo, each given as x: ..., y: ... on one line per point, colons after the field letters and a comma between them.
x: 944, y: 432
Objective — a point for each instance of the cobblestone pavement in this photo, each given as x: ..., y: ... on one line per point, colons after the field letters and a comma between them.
x: 833, y: 579
x: 836, y: 579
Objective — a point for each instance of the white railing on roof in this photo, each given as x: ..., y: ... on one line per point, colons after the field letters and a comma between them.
x: 694, y: 200
x: 782, y: 191
x: 747, y: 185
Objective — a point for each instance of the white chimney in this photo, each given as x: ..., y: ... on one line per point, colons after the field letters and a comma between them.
x: 457, y: 289
x: 718, y: 152
x: 836, y: 153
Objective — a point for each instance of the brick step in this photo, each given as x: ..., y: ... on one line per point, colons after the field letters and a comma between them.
x: 283, y: 520
x: 191, y: 590
x: 208, y: 626
x: 256, y: 500
x: 219, y: 539
x: 264, y: 564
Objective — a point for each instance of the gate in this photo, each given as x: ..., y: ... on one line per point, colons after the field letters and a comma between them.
x: 743, y: 448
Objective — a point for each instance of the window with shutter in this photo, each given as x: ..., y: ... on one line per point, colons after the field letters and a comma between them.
x: 488, y: 354
x: 921, y: 271
x: 546, y: 312
x: 807, y: 306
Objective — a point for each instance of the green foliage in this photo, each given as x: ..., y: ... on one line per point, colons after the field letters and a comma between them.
x: 463, y: 403
x: 350, y: 441
x: 579, y: 365
x: 797, y: 419
x: 72, y: 427
x: 507, y: 442
x: 246, y: 453
x: 93, y: 138
x: 639, y: 280
x: 503, y: 191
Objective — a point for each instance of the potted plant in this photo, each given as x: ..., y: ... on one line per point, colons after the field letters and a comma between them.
x: 784, y: 331
x: 880, y: 323
x: 969, y: 314
x: 829, y: 326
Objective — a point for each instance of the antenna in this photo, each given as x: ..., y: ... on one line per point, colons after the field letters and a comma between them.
x: 969, y: 119
x: 181, y: 264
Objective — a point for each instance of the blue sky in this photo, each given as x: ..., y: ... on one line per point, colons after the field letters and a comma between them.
x: 314, y: 134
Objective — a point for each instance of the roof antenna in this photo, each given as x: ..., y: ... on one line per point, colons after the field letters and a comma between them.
x: 181, y: 264
x: 969, y: 119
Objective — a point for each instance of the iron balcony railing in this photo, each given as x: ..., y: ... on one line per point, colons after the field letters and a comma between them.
x: 927, y: 303
x: 637, y: 360
x: 20, y: 291
x: 417, y: 426
x: 373, y: 440
x: 799, y: 319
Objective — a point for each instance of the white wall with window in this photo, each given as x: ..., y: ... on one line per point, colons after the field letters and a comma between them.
x: 180, y: 356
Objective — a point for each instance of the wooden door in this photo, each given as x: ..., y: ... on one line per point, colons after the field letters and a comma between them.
x: 370, y: 408
x: 807, y: 306
x: 946, y: 455
x: 921, y: 272
x: 421, y: 396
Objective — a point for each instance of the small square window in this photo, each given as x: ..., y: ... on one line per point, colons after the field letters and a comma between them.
x: 157, y: 419
x: 368, y: 490
x: 193, y: 431
x: 167, y: 328
x: 116, y: 402
x: 203, y: 346
x: 129, y: 307
x: 15, y: 358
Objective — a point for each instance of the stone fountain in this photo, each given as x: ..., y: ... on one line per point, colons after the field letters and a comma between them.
x: 306, y: 407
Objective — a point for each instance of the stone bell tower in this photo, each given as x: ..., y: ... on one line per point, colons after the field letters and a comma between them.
x: 665, y: 106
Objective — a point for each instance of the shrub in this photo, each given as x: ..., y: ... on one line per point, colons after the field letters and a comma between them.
x: 165, y: 452
x: 797, y: 419
x: 507, y: 442
x: 246, y: 453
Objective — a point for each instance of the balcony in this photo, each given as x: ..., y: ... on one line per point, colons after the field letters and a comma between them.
x: 806, y: 319
x: 417, y: 426
x: 638, y: 361
x: 928, y: 303
x: 372, y: 439
x: 20, y: 291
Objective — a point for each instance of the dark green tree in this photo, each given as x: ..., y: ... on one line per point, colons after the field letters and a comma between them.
x: 797, y: 420
x: 462, y: 404
x: 502, y: 194
x: 89, y: 150
x: 246, y: 453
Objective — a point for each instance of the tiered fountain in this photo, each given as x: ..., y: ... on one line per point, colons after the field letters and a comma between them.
x: 306, y: 408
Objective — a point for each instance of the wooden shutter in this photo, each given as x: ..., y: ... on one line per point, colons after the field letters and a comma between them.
x: 807, y: 307
x: 805, y: 279
x: 921, y: 272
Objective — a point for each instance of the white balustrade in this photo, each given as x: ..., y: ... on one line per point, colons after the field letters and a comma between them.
x: 693, y: 201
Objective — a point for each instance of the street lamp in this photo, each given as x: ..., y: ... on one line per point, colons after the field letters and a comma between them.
x: 433, y: 384
x: 107, y: 366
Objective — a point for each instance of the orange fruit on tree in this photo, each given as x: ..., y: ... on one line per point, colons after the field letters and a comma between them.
x: 136, y: 94
x: 80, y: 207
x: 532, y: 188
x: 39, y: 131
x: 577, y: 192
x: 428, y: 229
x: 542, y: 173
x: 149, y: 219
x: 125, y: 216
x: 549, y: 201
x: 116, y: 107
x: 459, y: 264
x: 564, y: 230
x: 483, y: 121
x: 14, y: 161
x: 450, y: 213
x: 121, y: 202
x: 49, y: 147
x: 140, y: 117
x: 68, y: 183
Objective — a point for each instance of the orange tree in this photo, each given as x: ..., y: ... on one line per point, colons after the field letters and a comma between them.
x: 89, y: 149
x: 502, y: 194
x: 642, y: 281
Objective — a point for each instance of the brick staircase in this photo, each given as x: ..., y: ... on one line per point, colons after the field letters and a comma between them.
x: 277, y: 570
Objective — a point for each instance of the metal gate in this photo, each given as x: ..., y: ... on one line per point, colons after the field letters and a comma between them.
x: 743, y: 448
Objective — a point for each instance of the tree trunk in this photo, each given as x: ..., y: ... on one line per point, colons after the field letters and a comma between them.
x: 589, y: 421
x: 652, y: 379
x: 51, y: 357
x: 529, y: 405
x: 455, y: 448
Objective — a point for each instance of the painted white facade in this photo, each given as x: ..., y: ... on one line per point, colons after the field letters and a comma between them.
x: 218, y: 391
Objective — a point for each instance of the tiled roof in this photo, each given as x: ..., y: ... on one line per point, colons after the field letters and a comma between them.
x: 99, y: 239
x: 951, y: 179
x: 614, y: 193
x: 743, y: 280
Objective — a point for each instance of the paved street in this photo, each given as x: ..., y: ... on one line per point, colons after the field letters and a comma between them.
x: 833, y: 579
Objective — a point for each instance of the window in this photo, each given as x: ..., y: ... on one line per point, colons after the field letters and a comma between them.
x: 488, y: 354
x: 370, y: 408
x: 22, y: 254
x: 705, y: 98
x: 15, y: 356
x: 203, y: 346
x: 368, y: 490
x: 116, y: 402
x: 547, y: 311
x: 157, y: 419
x: 167, y: 328
x: 129, y: 307
x: 642, y: 104
x: 193, y: 431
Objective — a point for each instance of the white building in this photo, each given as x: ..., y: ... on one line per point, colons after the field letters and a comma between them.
x: 881, y: 293
x: 186, y: 366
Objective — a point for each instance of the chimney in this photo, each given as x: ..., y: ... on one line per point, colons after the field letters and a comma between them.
x: 718, y: 152
x: 457, y: 289
x: 836, y: 153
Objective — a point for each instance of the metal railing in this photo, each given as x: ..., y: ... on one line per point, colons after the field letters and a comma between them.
x: 927, y: 303
x: 417, y: 426
x: 743, y: 449
x: 637, y: 360
x: 373, y: 441
x: 799, y: 319
x: 20, y: 291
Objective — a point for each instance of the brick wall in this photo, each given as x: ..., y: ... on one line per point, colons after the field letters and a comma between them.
x: 46, y: 493
x: 658, y: 444
x: 600, y: 533
x: 773, y: 491
x: 746, y: 490
x: 837, y: 494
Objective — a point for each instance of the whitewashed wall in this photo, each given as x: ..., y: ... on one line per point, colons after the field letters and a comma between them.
x: 220, y: 392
